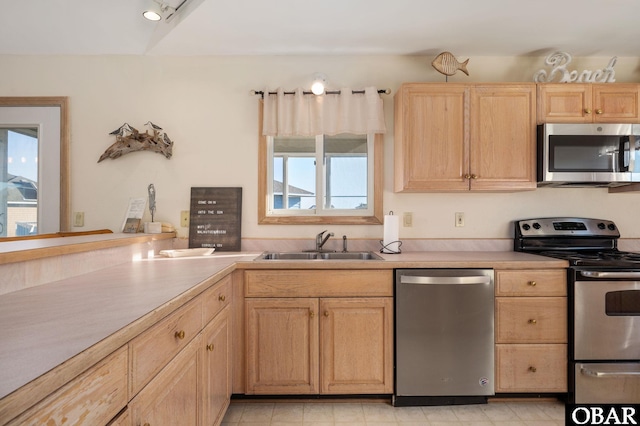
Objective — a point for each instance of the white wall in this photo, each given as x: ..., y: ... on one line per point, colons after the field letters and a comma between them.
x: 204, y: 105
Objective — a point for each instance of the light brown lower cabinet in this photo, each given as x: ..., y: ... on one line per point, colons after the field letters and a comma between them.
x: 531, y: 331
x: 195, y: 387
x: 319, y: 345
x: 171, y: 397
x: 216, y: 368
x: 93, y: 398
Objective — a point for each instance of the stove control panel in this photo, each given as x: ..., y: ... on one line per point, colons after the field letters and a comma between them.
x: 566, y: 226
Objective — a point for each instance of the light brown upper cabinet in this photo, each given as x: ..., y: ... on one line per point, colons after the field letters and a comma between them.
x: 459, y: 137
x: 588, y: 103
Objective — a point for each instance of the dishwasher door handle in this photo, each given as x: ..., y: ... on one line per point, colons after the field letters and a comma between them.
x: 433, y: 280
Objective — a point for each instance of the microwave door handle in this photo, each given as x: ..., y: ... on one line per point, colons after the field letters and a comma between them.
x: 623, y: 166
x: 632, y: 154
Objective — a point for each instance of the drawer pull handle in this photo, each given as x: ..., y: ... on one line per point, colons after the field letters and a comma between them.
x: 532, y: 283
x: 532, y: 321
x: 533, y: 369
x: 222, y: 298
x: 179, y: 334
x: 210, y: 347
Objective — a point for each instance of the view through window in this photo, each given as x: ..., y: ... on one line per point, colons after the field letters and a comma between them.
x: 343, y: 182
x: 18, y: 181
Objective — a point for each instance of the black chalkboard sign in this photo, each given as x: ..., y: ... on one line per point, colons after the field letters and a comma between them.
x: 215, y: 218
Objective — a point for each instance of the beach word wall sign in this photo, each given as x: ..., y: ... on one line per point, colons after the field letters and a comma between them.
x: 559, y: 62
x: 215, y: 218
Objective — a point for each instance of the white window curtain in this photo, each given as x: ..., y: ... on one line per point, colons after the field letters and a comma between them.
x: 329, y: 114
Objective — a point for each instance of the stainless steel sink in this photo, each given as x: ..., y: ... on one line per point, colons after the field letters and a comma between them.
x: 352, y: 255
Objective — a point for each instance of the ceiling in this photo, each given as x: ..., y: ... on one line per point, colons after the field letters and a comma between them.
x: 328, y: 27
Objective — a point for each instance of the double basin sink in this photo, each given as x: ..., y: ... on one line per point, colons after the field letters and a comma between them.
x: 320, y: 255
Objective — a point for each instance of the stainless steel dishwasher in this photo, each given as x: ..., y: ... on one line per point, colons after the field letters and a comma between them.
x: 444, y: 328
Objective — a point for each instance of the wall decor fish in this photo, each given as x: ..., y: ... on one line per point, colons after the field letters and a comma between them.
x: 129, y: 139
x: 447, y: 64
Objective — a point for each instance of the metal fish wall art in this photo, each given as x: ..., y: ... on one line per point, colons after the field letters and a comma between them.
x: 447, y: 64
x: 129, y: 139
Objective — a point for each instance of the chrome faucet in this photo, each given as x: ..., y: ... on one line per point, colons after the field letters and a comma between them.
x: 320, y: 240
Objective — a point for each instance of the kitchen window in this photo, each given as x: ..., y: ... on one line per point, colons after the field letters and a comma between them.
x: 322, y: 179
x: 320, y: 158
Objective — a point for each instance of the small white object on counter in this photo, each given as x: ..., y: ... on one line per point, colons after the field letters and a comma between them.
x: 186, y: 252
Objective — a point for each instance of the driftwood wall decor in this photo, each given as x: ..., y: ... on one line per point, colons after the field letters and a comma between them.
x: 129, y: 139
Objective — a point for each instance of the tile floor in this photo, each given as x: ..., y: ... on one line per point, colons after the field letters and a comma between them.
x: 293, y: 413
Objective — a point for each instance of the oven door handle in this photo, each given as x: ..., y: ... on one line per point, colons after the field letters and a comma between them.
x: 610, y: 274
x: 594, y: 373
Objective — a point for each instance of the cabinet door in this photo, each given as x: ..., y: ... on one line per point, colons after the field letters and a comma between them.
x: 216, y: 368
x: 93, y: 398
x: 282, y: 345
x: 172, y: 395
x: 615, y: 103
x: 564, y: 103
x: 503, y: 137
x: 356, y: 341
x: 531, y: 368
x: 531, y: 319
x: 431, y: 138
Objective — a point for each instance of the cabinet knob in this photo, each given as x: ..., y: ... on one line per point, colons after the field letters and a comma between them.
x: 326, y: 313
x: 474, y: 176
x: 532, y: 321
x: 587, y: 111
x: 210, y: 347
x: 467, y: 176
x: 311, y: 314
x: 222, y: 298
x: 533, y: 369
x: 146, y: 424
x: 599, y: 111
x: 179, y: 334
x: 532, y: 283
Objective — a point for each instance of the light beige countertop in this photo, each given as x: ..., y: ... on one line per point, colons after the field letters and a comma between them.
x: 79, y: 320
x: 47, y: 325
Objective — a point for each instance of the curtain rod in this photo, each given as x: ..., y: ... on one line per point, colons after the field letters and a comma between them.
x: 328, y: 92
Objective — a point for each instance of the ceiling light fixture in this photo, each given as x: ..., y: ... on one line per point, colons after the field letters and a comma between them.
x: 156, y: 10
x: 319, y: 83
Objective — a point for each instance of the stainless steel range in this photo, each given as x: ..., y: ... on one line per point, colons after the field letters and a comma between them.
x: 604, y: 304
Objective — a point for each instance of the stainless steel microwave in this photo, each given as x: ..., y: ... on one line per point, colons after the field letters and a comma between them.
x: 579, y: 155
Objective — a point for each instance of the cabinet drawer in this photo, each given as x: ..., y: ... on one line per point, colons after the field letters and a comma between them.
x: 151, y: 350
x: 531, y: 368
x: 93, y: 398
x: 531, y: 320
x: 216, y: 298
x: 319, y: 283
x: 551, y: 282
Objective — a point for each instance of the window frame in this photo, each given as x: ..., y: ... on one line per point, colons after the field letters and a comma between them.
x: 61, y: 102
x: 373, y: 215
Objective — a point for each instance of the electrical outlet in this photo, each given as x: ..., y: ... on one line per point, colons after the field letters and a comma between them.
x: 407, y: 219
x: 459, y: 219
x: 78, y: 219
x: 184, y: 218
